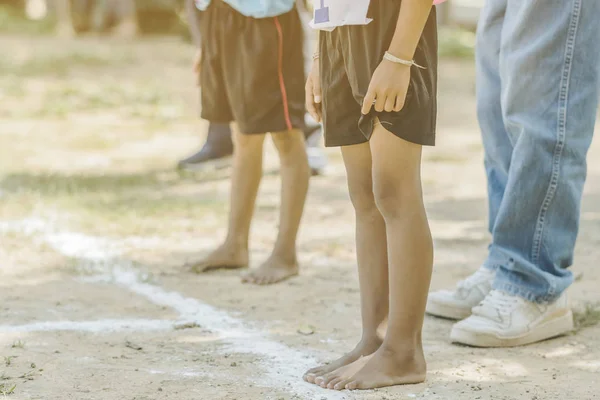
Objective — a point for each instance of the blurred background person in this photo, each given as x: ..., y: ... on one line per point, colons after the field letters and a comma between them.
x: 218, y: 147
x: 118, y: 16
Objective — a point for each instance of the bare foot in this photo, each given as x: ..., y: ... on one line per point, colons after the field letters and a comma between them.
x: 363, y: 348
x: 275, y: 269
x: 341, y: 374
x: 225, y: 256
x: 387, y: 368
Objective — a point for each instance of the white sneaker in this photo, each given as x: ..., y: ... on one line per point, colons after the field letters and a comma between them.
x: 457, y: 304
x: 502, y: 320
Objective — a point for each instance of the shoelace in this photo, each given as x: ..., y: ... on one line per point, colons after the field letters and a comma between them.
x: 478, y: 277
x: 497, y: 300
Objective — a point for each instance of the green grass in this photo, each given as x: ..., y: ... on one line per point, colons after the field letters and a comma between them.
x: 587, y: 317
x: 8, y: 360
x: 137, y: 100
x: 67, y: 97
x: 55, y: 184
x: 18, y: 344
x: 7, y: 389
x: 38, y: 62
x: 136, y: 204
x: 456, y: 43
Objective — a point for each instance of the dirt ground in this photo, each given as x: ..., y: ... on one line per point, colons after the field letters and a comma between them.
x: 95, y: 225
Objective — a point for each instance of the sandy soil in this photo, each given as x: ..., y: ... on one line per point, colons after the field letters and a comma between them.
x: 95, y: 225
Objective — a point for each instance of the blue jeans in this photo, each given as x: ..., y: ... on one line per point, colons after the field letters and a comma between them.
x: 538, y: 82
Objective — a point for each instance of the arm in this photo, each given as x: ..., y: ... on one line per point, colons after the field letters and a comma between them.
x: 390, y: 81
x: 411, y: 21
x: 194, y: 23
x: 313, y: 90
x: 192, y: 13
x: 301, y: 6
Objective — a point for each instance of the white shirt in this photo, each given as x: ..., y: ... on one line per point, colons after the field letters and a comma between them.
x: 329, y: 14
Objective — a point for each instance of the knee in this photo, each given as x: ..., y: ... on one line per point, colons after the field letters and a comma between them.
x: 243, y: 142
x: 287, y: 142
x: 361, y: 195
x: 289, y: 145
x: 394, y: 197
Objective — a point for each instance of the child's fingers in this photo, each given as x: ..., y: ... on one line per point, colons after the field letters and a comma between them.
x: 380, y: 102
x: 390, y: 103
x: 310, y: 102
x: 399, y: 103
x: 368, y: 102
x: 316, y: 87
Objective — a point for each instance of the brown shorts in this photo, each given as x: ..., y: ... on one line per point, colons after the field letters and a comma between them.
x: 349, y: 57
x: 252, y: 70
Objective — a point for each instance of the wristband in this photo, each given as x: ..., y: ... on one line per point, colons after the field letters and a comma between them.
x: 392, y: 58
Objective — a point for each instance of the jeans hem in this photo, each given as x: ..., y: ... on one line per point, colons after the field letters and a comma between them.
x: 515, y: 290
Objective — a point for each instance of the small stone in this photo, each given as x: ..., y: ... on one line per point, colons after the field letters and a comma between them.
x: 133, y: 346
x: 306, y: 330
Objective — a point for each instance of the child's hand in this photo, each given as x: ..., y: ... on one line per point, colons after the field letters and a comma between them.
x: 313, y: 92
x: 388, y: 88
x: 197, y: 65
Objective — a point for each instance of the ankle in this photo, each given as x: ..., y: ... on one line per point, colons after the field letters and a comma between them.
x: 284, y: 250
x: 285, y: 255
x: 404, y: 350
x: 237, y: 244
x: 369, y: 343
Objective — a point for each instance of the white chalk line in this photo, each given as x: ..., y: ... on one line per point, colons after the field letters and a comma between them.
x: 282, y: 365
x: 97, y: 326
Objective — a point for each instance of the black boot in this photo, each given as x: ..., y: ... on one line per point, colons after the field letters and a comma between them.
x: 216, y: 152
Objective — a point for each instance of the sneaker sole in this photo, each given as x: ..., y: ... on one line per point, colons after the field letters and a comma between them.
x: 556, y: 327
x: 446, y: 311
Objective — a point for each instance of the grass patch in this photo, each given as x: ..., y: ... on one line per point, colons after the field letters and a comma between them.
x: 18, y: 344
x: 587, y: 317
x: 132, y: 101
x: 136, y: 99
x: 42, y: 62
x: 59, y: 184
x: 8, y: 360
x: 134, y: 204
x: 7, y: 389
x: 136, y: 215
x: 456, y: 43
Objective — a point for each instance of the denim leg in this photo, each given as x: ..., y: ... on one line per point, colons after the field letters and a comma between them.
x: 497, y: 146
x: 549, y: 69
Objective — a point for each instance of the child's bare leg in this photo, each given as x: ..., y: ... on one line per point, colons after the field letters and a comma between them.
x: 397, y: 187
x: 371, y: 249
x: 295, y: 172
x: 64, y: 19
x: 246, y: 176
x: 127, y: 26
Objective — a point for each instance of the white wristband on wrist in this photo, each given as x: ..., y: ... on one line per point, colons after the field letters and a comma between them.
x: 392, y: 58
